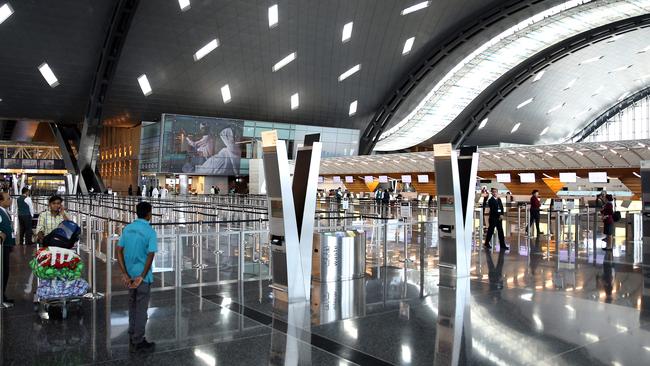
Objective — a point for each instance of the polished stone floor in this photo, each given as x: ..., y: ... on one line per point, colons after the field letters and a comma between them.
x: 536, y: 304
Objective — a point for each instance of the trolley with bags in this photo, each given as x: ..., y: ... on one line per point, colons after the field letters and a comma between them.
x: 58, y: 270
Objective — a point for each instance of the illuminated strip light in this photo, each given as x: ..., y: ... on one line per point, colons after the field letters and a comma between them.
x: 414, y: 8
x: 225, y: 93
x: 209, y: 47
x: 570, y: 84
x: 284, y: 62
x: 636, y: 174
x: 48, y: 75
x: 295, y: 101
x: 622, y: 68
x: 483, y: 123
x: 144, y: 85
x: 353, y: 108
x: 347, y: 32
x: 539, y: 76
x: 544, y: 131
x: 555, y: 108
x: 515, y: 127
x: 408, y: 45
x: 5, y: 12
x: 273, y: 15
x: 470, y: 77
x: 350, y: 72
x: 590, y: 60
x: 525, y: 103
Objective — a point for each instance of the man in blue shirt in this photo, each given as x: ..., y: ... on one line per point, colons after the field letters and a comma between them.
x: 135, y: 253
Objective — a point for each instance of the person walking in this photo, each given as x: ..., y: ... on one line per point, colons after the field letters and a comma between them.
x: 8, y: 242
x: 135, y: 253
x: 51, y: 218
x: 155, y: 192
x: 495, y: 218
x: 607, y: 213
x: 130, y: 191
x: 25, y: 216
x: 535, y: 205
x: 378, y: 196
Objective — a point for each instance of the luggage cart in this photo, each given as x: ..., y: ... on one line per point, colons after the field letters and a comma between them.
x: 63, y: 303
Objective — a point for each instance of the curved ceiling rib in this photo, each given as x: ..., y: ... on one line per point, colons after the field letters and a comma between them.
x: 477, y: 72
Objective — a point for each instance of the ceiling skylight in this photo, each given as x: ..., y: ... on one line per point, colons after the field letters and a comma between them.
x: 350, y: 72
x: 416, y: 7
x: 48, y: 74
x: 225, y: 93
x: 5, y: 12
x: 284, y: 62
x: 525, y: 103
x: 471, y: 76
x: 353, y: 108
x: 211, y: 46
x: 483, y: 123
x: 515, y: 127
x: 539, y: 75
x: 144, y: 85
x: 408, y: 45
x: 295, y: 101
x: 347, y: 32
x: 273, y: 15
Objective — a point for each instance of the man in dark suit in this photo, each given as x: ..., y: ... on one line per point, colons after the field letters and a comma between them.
x: 496, y: 215
x: 8, y: 241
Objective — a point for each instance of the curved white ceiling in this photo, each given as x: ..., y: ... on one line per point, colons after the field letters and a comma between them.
x: 458, y: 88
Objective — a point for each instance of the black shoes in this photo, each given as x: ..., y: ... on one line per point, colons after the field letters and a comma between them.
x: 505, y: 247
x: 142, y: 347
x: 487, y: 246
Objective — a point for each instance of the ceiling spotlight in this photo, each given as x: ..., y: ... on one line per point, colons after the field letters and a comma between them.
x: 225, y: 93
x: 416, y: 7
x: 539, y: 75
x: 5, y: 12
x: 295, y: 101
x: 525, y: 103
x: 483, y: 123
x: 408, y: 45
x: 211, y: 46
x: 515, y: 127
x: 144, y: 85
x: 544, y: 131
x: 350, y: 72
x: 353, y: 108
x: 347, y: 32
x: 273, y: 15
x: 47, y: 73
x: 284, y: 62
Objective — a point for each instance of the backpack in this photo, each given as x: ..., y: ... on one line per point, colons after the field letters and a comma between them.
x: 64, y: 236
x: 617, y: 216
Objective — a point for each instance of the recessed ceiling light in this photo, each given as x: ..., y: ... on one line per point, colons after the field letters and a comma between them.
x: 416, y: 7
x: 555, y: 108
x: 5, y: 12
x: 620, y: 69
x: 284, y: 62
x: 273, y: 15
x: 347, y: 32
x: 515, y: 127
x: 211, y: 46
x: 225, y: 93
x: 544, y: 131
x: 408, y: 45
x: 483, y: 123
x: 623, y: 96
x: 590, y: 60
x: 47, y: 73
x: 184, y: 4
x: 525, y: 103
x: 570, y: 84
x: 539, y: 75
x: 295, y: 101
x: 353, y: 108
x: 350, y: 72
x: 144, y: 85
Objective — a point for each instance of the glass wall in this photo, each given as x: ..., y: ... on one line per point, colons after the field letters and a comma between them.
x: 630, y: 124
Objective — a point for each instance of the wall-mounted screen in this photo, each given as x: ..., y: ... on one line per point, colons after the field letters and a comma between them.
x: 597, y: 177
x: 423, y: 178
x: 406, y: 179
x: 336, y: 179
x: 527, y: 177
x: 321, y: 179
x: 383, y: 179
x: 568, y: 177
x: 368, y: 179
x: 503, y: 178
x: 349, y: 179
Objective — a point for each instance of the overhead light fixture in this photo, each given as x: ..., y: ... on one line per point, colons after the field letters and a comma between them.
x: 544, y: 131
x: 211, y: 46
x: 622, y: 68
x: 408, y: 45
x: 184, y: 4
x: 284, y: 62
x: 579, y: 152
x: 347, y: 32
x: 515, y: 127
x: 623, y: 96
x: 483, y: 123
x: 414, y: 8
x: 616, y: 37
x: 538, y: 150
x: 5, y: 12
x: 641, y: 144
x: 582, y: 113
x: 273, y: 15
x: 350, y: 72
x: 590, y: 60
x: 548, y: 153
x: 538, y: 76
x: 353, y: 108
x: 295, y: 101
x: 556, y: 108
x: 47, y: 73
x: 144, y: 85
x: 225, y: 93
x: 525, y: 103
x: 570, y: 84
x: 636, y: 174
x: 547, y: 176
x: 600, y: 88
x: 646, y: 49
x: 522, y: 155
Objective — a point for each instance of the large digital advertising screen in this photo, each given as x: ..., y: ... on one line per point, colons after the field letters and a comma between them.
x: 201, y: 145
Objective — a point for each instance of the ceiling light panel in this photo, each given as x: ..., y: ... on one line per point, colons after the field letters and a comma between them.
x: 48, y: 74
x: 347, y: 32
x: 273, y: 15
x: 544, y: 131
x: 416, y: 7
x: 408, y: 45
x: 555, y: 108
x: 284, y: 62
x: 209, y: 47
x: 471, y: 76
x: 353, y: 108
x: 538, y: 76
x: 5, y: 12
x: 622, y: 68
x: 225, y: 93
x: 525, y: 103
x: 295, y: 101
x: 483, y: 123
x: 590, y: 60
x: 515, y: 127
x: 144, y: 85
x: 350, y: 72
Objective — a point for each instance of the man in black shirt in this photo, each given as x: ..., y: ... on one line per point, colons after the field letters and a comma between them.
x: 496, y: 214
